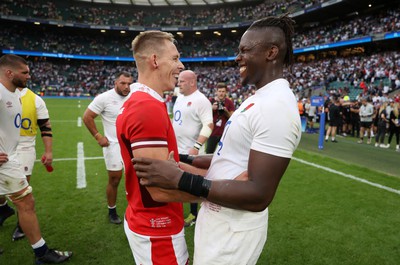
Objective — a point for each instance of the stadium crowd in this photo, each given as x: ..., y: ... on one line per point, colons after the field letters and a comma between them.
x: 15, y: 36
x: 121, y: 16
x: 361, y: 74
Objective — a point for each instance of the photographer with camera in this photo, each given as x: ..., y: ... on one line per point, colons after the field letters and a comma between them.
x: 223, y: 108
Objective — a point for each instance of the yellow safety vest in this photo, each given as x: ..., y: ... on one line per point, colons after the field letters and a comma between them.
x: 29, y: 118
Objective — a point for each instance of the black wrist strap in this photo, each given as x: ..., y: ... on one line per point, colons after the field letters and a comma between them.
x: 188, y: 159
x: 194, y: 184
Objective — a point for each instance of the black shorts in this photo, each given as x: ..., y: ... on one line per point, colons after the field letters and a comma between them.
x: 366, y: 124
x: 333, y: 123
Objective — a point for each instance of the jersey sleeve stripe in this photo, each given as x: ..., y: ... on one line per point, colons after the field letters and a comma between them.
x: 143, y: 144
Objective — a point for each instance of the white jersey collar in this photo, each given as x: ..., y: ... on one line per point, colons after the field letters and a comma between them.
x: 272, y: 84
x: 135, y: 87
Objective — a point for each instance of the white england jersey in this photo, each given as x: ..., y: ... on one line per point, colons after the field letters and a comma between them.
x: 267, y: 122
x: 190, y: 113
x: 10, y: 122
x: 107, y: 105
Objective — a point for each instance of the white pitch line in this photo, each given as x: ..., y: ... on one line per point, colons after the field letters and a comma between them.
x: 73, y: 159
x: 79, y: 122
x: 347, y: 176
x: 80, y: 168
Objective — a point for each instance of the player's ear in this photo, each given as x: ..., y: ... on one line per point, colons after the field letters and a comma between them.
x: 153, y: 61
x: 272, y: 52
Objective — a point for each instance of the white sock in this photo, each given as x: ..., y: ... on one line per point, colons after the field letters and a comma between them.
x: 39, y: 244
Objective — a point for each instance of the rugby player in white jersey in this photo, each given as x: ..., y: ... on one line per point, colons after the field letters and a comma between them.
x: 107, y: 105
x: 259, y: 140
x: 14, y: 73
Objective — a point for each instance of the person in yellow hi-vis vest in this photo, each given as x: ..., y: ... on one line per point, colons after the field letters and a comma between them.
x: 35, y: 116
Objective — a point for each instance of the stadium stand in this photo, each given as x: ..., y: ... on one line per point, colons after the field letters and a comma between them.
x: 321, y: 25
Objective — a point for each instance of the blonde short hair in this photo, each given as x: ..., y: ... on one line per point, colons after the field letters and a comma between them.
x: 149, y: 42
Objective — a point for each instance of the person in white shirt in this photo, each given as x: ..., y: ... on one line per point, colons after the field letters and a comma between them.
x: 193, y: 123
x: 34, y: 116
x: 366, y: 112
x: 256, y: 148
x: 107, y: 105
x: 14, y: 73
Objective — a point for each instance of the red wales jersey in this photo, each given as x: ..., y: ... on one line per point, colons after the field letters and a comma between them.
x: 143, y: 122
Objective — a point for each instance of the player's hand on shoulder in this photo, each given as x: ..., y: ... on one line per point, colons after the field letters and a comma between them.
x: 159, y: 173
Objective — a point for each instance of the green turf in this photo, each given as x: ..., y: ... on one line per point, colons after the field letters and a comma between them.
x: 317, y: 217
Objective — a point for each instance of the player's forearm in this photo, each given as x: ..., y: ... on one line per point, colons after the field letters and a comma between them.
x: 199, y: 161
x: 48, y: 144
x: 242, y: 195
x: 164, y: 195
x: 91, y: 126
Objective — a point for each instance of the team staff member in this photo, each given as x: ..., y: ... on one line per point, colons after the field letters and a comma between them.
x: 223, y: 108
x: 14, y: 72
x: 107, y: 105
x: 259, y: 138
x: 193, y: 123
x: 154, y: 227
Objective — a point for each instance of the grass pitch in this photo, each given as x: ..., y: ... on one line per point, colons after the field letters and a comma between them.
x: 317, y: 216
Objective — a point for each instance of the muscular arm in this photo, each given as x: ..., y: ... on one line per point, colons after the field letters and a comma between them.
x: 88, y: 120
x: 264, y: 173
x: 202, y: 161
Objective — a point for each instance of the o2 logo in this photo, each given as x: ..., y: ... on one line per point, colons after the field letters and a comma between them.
x: 221, y: 142
x: 18, y: 121
x: 24, y: 123
x: 178, y: 117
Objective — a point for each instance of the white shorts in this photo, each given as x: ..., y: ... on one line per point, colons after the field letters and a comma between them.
x: 112, y: 157
x: 27, y: 157
x: 12, y: 179
x: 158, y: 250
x: 222, y: 242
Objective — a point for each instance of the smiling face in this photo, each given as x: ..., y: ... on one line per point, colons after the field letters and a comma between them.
x: 169, y: 66
x: 251, y: 57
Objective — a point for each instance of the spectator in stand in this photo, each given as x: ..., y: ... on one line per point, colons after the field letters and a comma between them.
x: 223, y: 108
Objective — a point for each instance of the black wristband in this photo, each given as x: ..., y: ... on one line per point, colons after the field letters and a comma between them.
x: 194, y: 184
x: 188, y: 159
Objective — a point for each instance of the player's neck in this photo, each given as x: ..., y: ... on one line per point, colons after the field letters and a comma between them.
x: 10, y: 86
